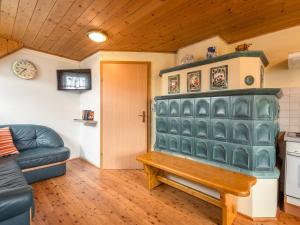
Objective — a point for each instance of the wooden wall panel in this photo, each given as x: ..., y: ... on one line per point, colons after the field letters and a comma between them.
x: 104, y: 15
x: 59, y: 10
x: 8, y: 46
x: 59, y: 27
x: 7, y: 16
x: 37, y: 20
x: 96, y: 8
x: 146, y: 14
x: 77, y: 9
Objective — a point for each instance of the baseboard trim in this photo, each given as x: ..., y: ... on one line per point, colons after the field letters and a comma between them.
x: 87, y: 161
x: 44, y: 166
x: 258, y: 219
x: 74, y: 158
x: 291, y: 209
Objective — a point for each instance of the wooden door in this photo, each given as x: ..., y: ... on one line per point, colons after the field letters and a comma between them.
x: 124, y: 98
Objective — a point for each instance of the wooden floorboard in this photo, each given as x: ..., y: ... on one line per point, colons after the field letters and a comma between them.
x: 90, y: 196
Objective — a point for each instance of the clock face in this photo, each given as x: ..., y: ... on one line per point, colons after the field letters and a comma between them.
x: 24, y: 69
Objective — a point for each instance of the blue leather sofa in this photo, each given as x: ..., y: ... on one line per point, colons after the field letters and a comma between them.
x: 42, y: 156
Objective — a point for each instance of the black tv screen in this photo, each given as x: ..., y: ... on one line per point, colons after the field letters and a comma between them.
x: 77, y: 79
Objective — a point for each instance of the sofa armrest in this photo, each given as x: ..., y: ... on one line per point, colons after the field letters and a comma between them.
x: 15, y: 201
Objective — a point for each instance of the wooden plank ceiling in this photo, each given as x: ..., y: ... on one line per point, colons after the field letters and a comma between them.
x: 59, y: 27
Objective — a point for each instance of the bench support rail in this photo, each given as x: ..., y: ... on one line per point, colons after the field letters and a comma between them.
x: 190, y: 191
x: 227, y: 202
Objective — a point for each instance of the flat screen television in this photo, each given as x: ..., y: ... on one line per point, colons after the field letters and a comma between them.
x: 75, y: 79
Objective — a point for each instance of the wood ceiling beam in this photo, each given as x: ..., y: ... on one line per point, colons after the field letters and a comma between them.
x: 8, y: 46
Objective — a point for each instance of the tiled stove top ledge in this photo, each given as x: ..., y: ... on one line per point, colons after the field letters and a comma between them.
x: 259, y: 54
x: 233, y: 92
x: 258, y: 174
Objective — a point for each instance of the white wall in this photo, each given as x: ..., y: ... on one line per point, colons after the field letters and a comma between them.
x: 276, y: 46
x: 199, y: 49
x: 37, y: 101
x: 239, y: 67
x: 90, y: 136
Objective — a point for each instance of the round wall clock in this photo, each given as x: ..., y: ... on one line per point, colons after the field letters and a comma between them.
x: 24, y: 69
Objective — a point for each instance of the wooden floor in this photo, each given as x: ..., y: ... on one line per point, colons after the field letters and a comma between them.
x: 89, y: 196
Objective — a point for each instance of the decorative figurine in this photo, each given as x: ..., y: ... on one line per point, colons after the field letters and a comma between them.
x: 211, y: 52
x: 188, y: 58
x: 242, y: 47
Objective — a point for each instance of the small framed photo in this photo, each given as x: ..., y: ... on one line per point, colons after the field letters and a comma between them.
x: 174, y: 84
x: 194, y: 81
x: 219, y: 77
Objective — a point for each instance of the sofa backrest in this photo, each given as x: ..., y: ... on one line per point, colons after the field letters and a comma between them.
x: 27, y: 136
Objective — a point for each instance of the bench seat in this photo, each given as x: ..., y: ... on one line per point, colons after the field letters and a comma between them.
x: 228, y: 183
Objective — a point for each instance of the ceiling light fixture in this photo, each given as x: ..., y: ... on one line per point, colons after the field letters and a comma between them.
x: 97, y: 36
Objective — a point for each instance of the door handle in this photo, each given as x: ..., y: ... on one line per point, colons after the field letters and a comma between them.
x: 143, y: 115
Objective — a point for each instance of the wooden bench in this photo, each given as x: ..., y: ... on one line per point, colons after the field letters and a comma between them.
x: 229, y: 184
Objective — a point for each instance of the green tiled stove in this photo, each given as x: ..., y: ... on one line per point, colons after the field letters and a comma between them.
x: 235, y: 129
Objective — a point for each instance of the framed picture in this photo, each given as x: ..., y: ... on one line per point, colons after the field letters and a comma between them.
x: 262, y: 76
x: 174, y: 84
x: 194, y: 81
x: 219, y: 77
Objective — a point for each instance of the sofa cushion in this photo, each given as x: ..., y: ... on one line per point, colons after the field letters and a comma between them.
x: 42, y: 156
x: 15, y: 194
x: 10, y: 174
x: 14, y: 202
x: 34, y: 136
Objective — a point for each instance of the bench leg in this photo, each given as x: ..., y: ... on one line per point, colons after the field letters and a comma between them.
x: 228, y: 209
x: 152, y: 177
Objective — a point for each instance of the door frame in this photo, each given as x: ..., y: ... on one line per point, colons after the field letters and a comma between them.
x: 149, y: 117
